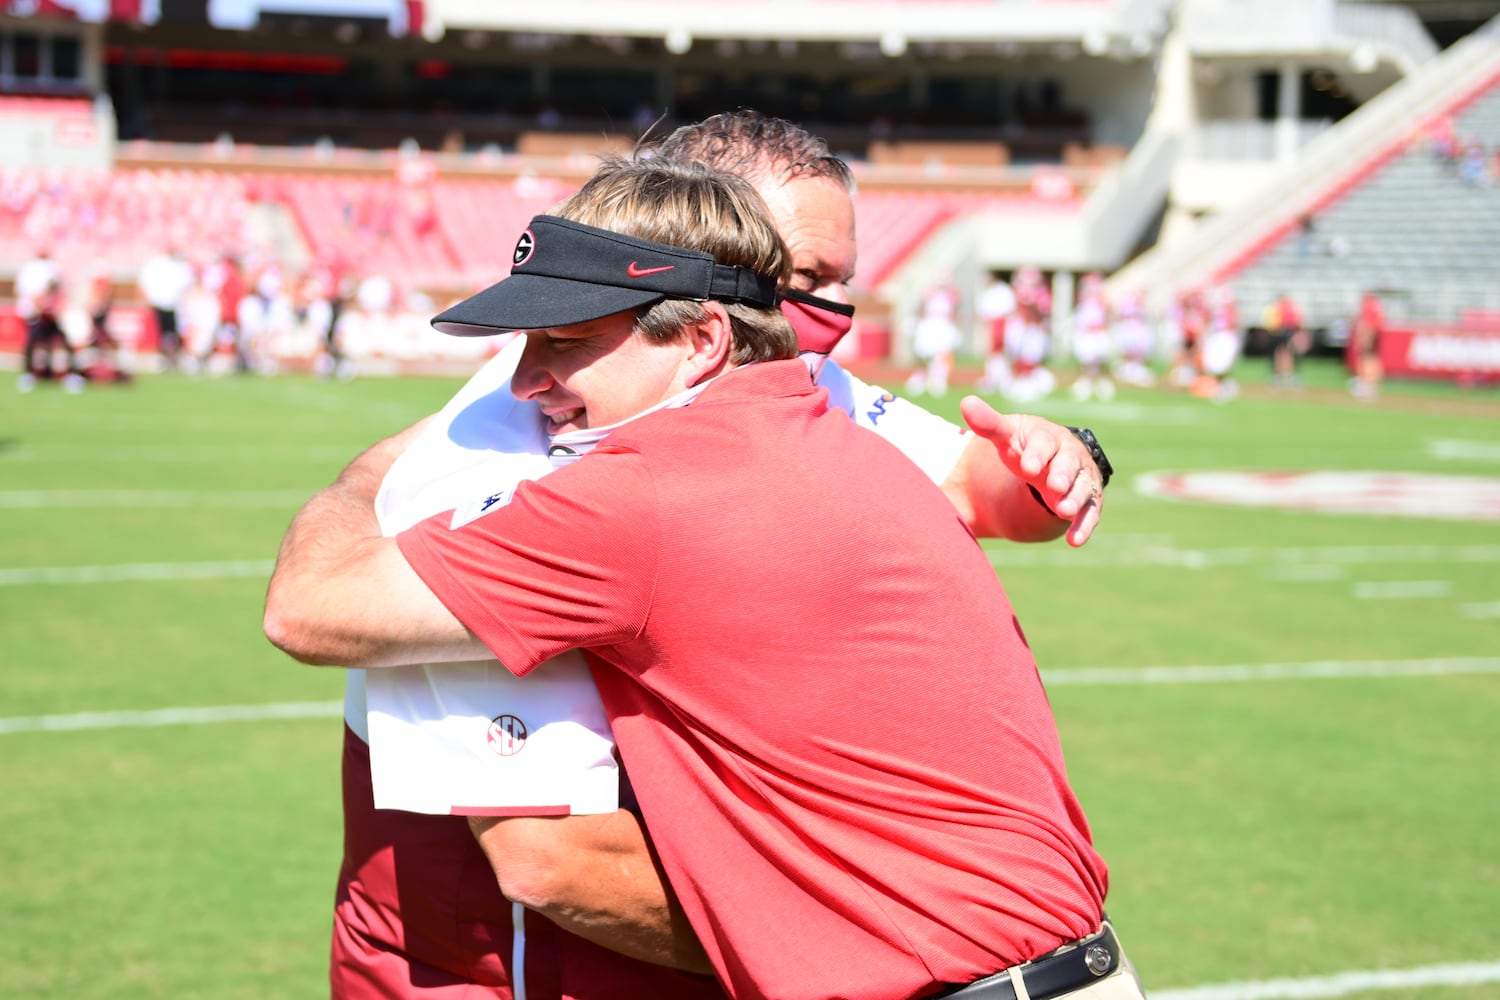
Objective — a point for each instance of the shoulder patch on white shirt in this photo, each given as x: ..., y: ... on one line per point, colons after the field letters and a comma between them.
x: 478, y: 508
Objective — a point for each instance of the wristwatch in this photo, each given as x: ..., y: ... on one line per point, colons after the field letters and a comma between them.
x: 1096, y: 452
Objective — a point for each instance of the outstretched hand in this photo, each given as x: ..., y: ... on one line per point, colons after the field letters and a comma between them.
x: 1046, y: 457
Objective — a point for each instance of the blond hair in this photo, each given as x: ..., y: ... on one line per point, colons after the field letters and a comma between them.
x: 695, y: 207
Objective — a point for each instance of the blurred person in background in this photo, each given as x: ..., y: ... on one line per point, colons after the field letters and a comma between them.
x: 1282, y: 320
x: 1307, y: 235
x: 1188, y: 319
x: 1364, y: 348
x: 165, y: 280
x: 1134, y: 341
x: 934, y: 339
x: 227, y: 282
x: 418, y: 913
x: 267, y: 316
x: 1443, y: 142
x: 198, y: 317
x: 324, y: 291
x: 39, y: 302
x: 1220, y: 349
x: 1028, y: 338
x: 996, y: 304
x: 1474, y: 166
x: 105, y: 363
x: 1093, y: 343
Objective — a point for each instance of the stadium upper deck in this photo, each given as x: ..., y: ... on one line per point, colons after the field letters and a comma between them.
x: 1076, y: 131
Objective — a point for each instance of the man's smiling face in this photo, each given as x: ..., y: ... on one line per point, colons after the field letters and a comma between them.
x: 597, y: 373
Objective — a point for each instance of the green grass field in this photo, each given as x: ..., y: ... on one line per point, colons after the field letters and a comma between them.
x: 1257, y: 829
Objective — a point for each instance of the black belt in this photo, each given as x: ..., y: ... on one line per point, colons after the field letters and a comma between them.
x: 1086, y: 961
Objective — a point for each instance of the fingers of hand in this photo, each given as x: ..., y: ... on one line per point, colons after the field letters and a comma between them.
x: 1076, y: 496
x: 984, y: 420
x: 1036, y: 444
x: 1084, y: 523
x: 1073, y: 472
x: 1034, y: 453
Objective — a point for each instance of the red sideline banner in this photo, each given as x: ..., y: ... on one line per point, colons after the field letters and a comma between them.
x: 133, y: 326
x: 1440, y: 352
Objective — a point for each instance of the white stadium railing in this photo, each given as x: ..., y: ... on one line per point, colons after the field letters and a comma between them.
x: 1104, y: 24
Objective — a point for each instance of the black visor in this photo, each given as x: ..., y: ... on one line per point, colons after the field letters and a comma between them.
x: 564, y: 272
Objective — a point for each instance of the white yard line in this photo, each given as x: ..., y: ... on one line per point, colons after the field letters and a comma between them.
x: 1343, y: 983
x: 154, y: 718
x: 1490, y: 609
x: 1315, y: 560
x: 1083, y: 676
x: 226, y: 570
x: 1400, y: 590
x: 1306, y: 573
x: 209, y: 454
x: 1139, y: 556
x: 1315, y: 670
x: 131, y: 499
x: 1465, y: 451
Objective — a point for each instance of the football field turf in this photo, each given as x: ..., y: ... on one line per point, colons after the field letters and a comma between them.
x: 1282, y: 723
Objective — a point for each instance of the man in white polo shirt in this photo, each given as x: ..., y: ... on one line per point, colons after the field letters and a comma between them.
x: 399, y: 930
x: 756, y: 608
x: 165, y: 279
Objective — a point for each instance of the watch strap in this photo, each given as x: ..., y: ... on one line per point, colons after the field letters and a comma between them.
x: 1096, y: 452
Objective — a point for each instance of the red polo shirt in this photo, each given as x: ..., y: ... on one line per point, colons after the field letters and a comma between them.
x: 837, y: 733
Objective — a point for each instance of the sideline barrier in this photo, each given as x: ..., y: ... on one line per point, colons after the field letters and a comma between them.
x: 1450, y: 352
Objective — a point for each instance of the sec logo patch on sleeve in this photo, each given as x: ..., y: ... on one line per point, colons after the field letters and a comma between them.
x: 478, y: 508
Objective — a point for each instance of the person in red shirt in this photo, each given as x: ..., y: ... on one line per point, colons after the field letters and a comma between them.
x: 416, y: 912
x: 1364, y: 348
x: 39, y: 302
x: 1189, y: 315
x: 737, y: 597
x: 230, y: 289
x: 1283, y: 322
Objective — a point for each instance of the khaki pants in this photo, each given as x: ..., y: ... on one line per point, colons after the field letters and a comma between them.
x: 1121, y: 984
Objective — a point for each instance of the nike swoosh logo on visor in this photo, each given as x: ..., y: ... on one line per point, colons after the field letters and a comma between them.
x: 636, y: 271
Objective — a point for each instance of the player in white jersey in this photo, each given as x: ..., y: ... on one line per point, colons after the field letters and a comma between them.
x: 994, y: 306
x: 934, y: 338
x: 1134, y: 341
x: 1093, y: 347
x: 1027, y: 339
x: 1221, y: 348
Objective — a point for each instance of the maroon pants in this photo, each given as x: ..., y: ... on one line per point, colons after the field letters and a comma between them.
x: 418, y: 914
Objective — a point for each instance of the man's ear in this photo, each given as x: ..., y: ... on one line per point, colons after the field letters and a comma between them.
x: 712, y: 342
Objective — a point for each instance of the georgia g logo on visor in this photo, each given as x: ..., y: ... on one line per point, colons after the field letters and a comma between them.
x: 525, y: 247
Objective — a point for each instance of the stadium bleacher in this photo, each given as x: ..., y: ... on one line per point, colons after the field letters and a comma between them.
x: 447, y: 234
x: 115, y: 218
x: 1409, y: 227
x: 1022, y: 120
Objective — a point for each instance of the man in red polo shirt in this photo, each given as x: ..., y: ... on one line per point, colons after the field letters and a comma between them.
x: 788, y: 661
x: 411, y: 917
